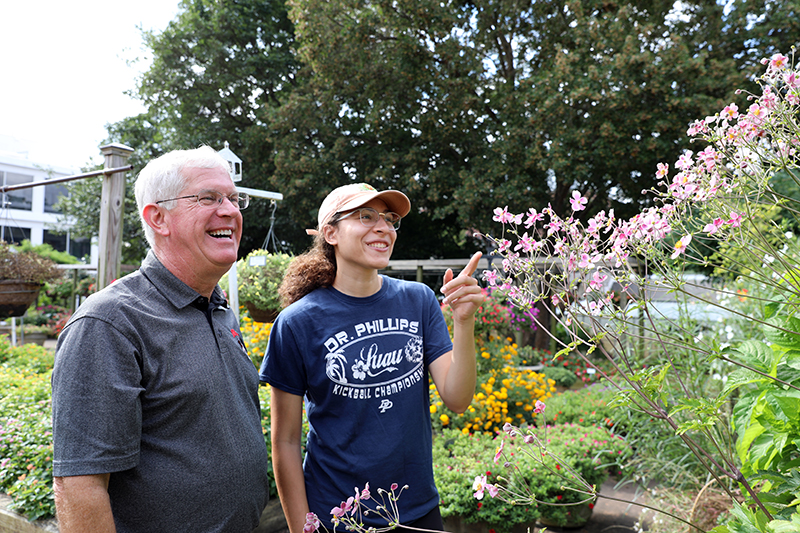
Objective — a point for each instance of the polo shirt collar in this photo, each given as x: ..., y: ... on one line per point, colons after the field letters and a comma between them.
x: 174, y: 290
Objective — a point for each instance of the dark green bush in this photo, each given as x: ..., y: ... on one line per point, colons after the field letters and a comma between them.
x: 562, y: 376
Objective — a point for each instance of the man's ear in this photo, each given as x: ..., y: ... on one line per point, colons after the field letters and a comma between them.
x: 329, y: 233
x: 156, y: 218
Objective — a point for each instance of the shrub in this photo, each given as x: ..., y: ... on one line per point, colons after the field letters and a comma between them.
x: 561, y: 376
x: 591, y: 451
x: 26, y: 443
x: 505, y: 393
x: 492, y: 319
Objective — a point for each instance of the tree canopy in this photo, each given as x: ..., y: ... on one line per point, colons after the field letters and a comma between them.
x: 462, y: 105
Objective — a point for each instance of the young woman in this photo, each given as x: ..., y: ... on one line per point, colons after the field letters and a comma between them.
x: 358, y: 347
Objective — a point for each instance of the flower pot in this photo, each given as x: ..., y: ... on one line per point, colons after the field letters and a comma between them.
x: 17, y: 296
x: 260, y: 315
x: 579, y: 515
x: 33, y: 338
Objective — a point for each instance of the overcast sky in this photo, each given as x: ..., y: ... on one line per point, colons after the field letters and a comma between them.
x: 64, y: 68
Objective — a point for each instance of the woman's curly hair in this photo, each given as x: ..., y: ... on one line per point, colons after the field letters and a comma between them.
x: 311, y: 270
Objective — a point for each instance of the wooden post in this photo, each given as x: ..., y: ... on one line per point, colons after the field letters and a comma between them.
x: 112, y: 204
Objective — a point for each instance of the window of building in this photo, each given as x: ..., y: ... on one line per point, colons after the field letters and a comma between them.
x: 14, y: 235
x: 79, y: 247
x: 19, y: 199
x: 52, y: 193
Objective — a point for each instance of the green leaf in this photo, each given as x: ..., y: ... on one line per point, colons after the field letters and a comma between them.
x: 785, y: 526
x: 758, y: 355
x: 743, y: 443
x: 783, y: 331
x: 789, y: 402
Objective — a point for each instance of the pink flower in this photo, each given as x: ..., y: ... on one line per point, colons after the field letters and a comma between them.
x: 533, y: 218
x: 778, y: 62
x: 493, y: 490
x: 756, y: 114
x: 490, y: 276
x: 499, y: 451
x: 714, y: 226
x: 312, y: 523
x: 502, y: 215
x: 736, y: 219
x: 539, y: 407
x: 685, y: 160
x: 730, y: 112
x: 478, y: 486
x: 681, y: 245
x: 365, y: 494
x: 696, y: 127
x: 343, y: 508
x: 663, y: 170
x: 578, y: 201
x: 791, y: 79
x: 597, y: 280
x: 525, y: 243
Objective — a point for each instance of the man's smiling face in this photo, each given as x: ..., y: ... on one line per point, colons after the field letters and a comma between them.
x: 202, y: 239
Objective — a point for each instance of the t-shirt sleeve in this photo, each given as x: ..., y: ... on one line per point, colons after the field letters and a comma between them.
x: 97, y: 415
x: 283, y: 366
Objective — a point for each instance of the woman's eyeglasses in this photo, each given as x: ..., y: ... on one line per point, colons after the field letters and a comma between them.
x: 369, y: 217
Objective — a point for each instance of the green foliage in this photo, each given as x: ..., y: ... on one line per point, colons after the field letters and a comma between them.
x: 217, y: 69
x: 562, y: 376
x: 433, y: 98
x: 26, y: 441
x: 766, y: 416
x: 45, y: 250
x: 589, y: 405
x: 539, y: 479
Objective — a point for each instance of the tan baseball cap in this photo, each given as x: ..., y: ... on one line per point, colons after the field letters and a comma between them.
x: 355, y: 195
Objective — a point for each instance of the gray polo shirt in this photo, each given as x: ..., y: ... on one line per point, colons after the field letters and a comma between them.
x: 154, y: 386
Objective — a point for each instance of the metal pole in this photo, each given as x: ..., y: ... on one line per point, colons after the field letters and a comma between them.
x: 105, y: 171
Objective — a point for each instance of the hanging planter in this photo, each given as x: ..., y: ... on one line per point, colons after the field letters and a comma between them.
x: 22, y: 275
x: 16, y: 296
x: 260, y: 315
x: 260, y: 274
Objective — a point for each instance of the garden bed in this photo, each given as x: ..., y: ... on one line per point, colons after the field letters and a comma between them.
x: 12, y: 522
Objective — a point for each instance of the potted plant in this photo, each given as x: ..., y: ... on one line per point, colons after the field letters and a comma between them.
x: 22, y: 275
x: 260, y: 274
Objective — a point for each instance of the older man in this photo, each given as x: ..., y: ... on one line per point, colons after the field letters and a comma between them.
x: 156, y: 418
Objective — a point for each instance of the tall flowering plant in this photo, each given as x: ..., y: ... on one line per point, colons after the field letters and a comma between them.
x: 710, y: 210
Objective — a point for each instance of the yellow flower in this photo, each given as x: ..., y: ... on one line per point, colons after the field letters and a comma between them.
x: 445, y: 419
x: 433, y: 409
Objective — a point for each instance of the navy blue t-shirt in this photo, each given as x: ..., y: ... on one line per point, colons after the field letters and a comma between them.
x: 362, y: 365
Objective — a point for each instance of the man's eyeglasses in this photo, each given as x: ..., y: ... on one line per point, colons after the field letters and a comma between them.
x: 369, y: 217
x: 239, y: 200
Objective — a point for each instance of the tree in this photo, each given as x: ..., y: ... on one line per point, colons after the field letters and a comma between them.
x: 464, y: 105
x: 467, y: 105
x: 214, y: 68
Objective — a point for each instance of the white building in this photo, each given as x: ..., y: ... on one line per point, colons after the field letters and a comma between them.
x: 30, y: 213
